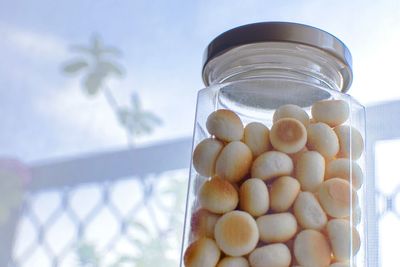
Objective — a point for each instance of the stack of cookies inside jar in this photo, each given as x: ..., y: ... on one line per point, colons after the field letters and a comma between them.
x: 277, y: 196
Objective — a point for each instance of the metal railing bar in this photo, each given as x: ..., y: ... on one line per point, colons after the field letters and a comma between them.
x: 111, y: 166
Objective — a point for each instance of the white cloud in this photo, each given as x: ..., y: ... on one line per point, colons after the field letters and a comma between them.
x: 90, y: 119
x: 36, y: 45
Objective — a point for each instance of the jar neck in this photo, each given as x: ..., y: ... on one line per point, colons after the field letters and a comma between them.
x: 278, y: 60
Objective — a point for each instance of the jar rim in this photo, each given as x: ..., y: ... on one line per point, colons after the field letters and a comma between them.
x: 264, y: 32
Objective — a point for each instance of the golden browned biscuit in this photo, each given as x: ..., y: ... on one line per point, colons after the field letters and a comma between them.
x: 323, y: 139
x: 271, y: 164
x: 336, y: 196
x: 283, y: 193
x: 309, y: 212
x: 275, y: 255
x: 254, y: 197
x: 331, y: 112
x: 203, y: 252
x: 234, y: 161
x: 341, y: 237
x: 256, y: 137
x: 341, y: 168
x: 236, y: 233
x: 310, y: 170
x: 233, y: 262
x: 225, y: 125
x: 349, y: 135
x: 292, y: 111
x: 312, y: 249
x: 202, y: 223
x: 276, y: 228
x: 288, y: 135
x: 218, y: 196
x: 205, y: 156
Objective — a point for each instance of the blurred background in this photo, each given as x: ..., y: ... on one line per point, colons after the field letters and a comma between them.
x: 97, y: 101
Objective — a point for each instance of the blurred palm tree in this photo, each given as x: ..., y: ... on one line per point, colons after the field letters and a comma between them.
x: 137, y: 121
x: 98, y: 63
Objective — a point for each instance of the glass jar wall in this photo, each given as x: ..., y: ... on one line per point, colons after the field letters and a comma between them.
x: 278, y: 153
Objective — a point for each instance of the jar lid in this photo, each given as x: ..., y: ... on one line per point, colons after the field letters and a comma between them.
x: 280, y: 32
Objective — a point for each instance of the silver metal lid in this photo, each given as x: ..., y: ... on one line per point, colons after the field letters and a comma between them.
x: 280, y: 32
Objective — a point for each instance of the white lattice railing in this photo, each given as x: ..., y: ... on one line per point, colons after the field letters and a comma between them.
x: 383, y: 124
x: 116, y: 204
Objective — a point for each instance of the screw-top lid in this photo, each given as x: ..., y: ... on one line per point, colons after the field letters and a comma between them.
x: 280, y: 32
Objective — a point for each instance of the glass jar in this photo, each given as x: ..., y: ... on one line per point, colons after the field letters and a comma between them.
x: 278, y: 153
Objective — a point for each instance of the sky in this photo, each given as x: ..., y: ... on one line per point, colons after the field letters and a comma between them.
x: 46, y: 115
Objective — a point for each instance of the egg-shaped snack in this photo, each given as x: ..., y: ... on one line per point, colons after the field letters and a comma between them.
x: 343, y: 239
x: 218, y: 196
x: 274, y: 255
x: 277, y: 228
x: 205, y: 156
x: 308, y: 212
x: 288, y: 135
x: 202, y: 223
x: 310, y: 170
x: 256, y: 137
x: 323, y: 139
x: 225, y: 125
x: 336, y: 197
x: 234, y: 161
x: 311, y: 248
x: 236, y: 233
x: 351, y: 142
x: 271, y: 164
x: 331, y: 112
x: 203, y: 252
x: 254, y: 197
x: 291, y: 111
x: 283, y: 193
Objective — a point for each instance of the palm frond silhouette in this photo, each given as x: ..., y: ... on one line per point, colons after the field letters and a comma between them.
x: 98, y: 63
x: 137, y: 121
